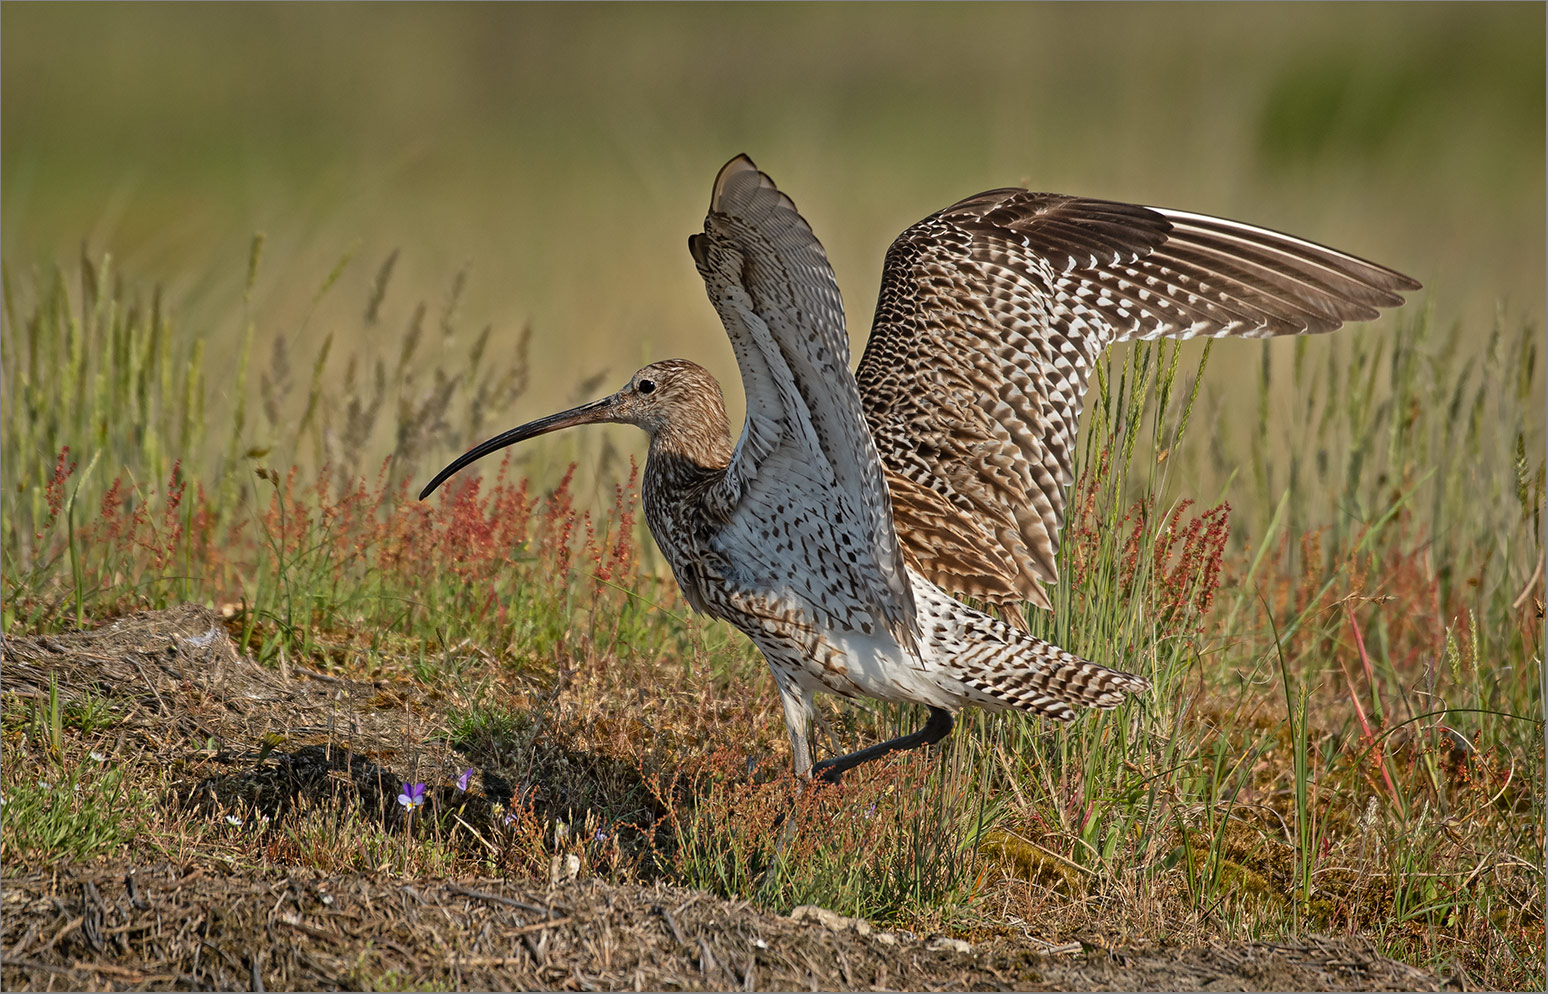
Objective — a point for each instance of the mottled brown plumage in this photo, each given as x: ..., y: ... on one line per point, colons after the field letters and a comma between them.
x: 991, y: 316
x: 838, y: 529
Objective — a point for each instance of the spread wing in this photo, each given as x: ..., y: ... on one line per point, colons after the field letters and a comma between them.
x: 991, y: 315
x: 804, y: 501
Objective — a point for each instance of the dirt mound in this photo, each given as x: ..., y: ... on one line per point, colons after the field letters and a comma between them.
x: 115, y: 927
x: 274, y: 737
x: 181, y: 667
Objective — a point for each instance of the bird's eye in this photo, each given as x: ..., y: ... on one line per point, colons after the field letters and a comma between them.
x: 647, y: 386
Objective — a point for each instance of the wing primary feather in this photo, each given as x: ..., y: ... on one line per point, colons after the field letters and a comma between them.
x: 1012, y: 295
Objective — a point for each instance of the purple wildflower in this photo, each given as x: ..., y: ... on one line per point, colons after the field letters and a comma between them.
x: 464, y: 780
x: 412, y: 796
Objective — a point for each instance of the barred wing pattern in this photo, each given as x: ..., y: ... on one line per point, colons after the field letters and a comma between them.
x: 805, y: 472
x: 991, y: 315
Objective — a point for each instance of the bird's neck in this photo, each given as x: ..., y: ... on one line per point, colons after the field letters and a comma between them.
x: 682, y: 460
x: 699, y: 438
x: 690, y: 451
x: 679, y: 470
x: 677, y: 481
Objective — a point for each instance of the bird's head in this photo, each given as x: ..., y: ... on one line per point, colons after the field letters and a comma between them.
x: 670, y: 396
x: 677, y: 402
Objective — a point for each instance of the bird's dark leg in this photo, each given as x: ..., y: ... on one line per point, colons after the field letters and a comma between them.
x: 938, y: 727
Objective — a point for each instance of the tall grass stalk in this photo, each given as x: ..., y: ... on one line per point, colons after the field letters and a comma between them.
x: 77, y: 571
x: 1249, y: 794
x: 1297, y: 701
x: 103, y: 370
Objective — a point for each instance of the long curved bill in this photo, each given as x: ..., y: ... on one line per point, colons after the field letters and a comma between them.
x: 599, y: 410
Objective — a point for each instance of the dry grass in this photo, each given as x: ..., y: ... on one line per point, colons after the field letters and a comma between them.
x: 245, y: 804
x: 1345, y: 735
x: 1252, y: 796
x: 170, y: 927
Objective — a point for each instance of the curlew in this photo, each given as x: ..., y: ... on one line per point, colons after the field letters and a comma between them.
x: 846, y: 529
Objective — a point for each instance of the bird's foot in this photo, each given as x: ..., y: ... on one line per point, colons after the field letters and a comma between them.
x: 935, y: 729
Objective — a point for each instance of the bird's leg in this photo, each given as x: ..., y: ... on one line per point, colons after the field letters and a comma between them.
x: 936, y: 728
x: 798, y: 714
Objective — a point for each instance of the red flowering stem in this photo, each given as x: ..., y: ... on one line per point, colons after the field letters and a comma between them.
x: 1354, y: 698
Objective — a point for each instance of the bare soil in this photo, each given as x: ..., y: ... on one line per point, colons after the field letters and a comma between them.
x: 205, y: 924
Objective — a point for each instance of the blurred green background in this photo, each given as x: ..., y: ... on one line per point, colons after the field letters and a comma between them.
x: 564, y: 153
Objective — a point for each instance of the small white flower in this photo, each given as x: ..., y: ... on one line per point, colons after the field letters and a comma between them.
x: 233, y: 820
x: 99, y: 757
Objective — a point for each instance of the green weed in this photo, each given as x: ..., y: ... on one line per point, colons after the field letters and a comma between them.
x: 894, y: 847
x: 83, y: 811
x: 1345, y: 715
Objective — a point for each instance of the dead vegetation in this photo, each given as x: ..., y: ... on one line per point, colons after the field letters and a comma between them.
x: 1344, y: 737
x: 269, y: 851
x: 116, y: 926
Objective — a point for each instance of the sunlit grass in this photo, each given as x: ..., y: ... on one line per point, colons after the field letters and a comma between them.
x: 1344, y: 735
x: 1325, y: 553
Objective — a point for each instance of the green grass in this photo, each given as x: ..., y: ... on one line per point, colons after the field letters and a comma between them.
x: 897, y: 848
x: 65, y: 795
x: 80, y: 813
x: 1342, y: 735
x: 1324, y: 552
x: 556, y: 157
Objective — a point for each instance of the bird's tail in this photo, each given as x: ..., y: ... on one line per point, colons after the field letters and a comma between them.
x: 996, y: 666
